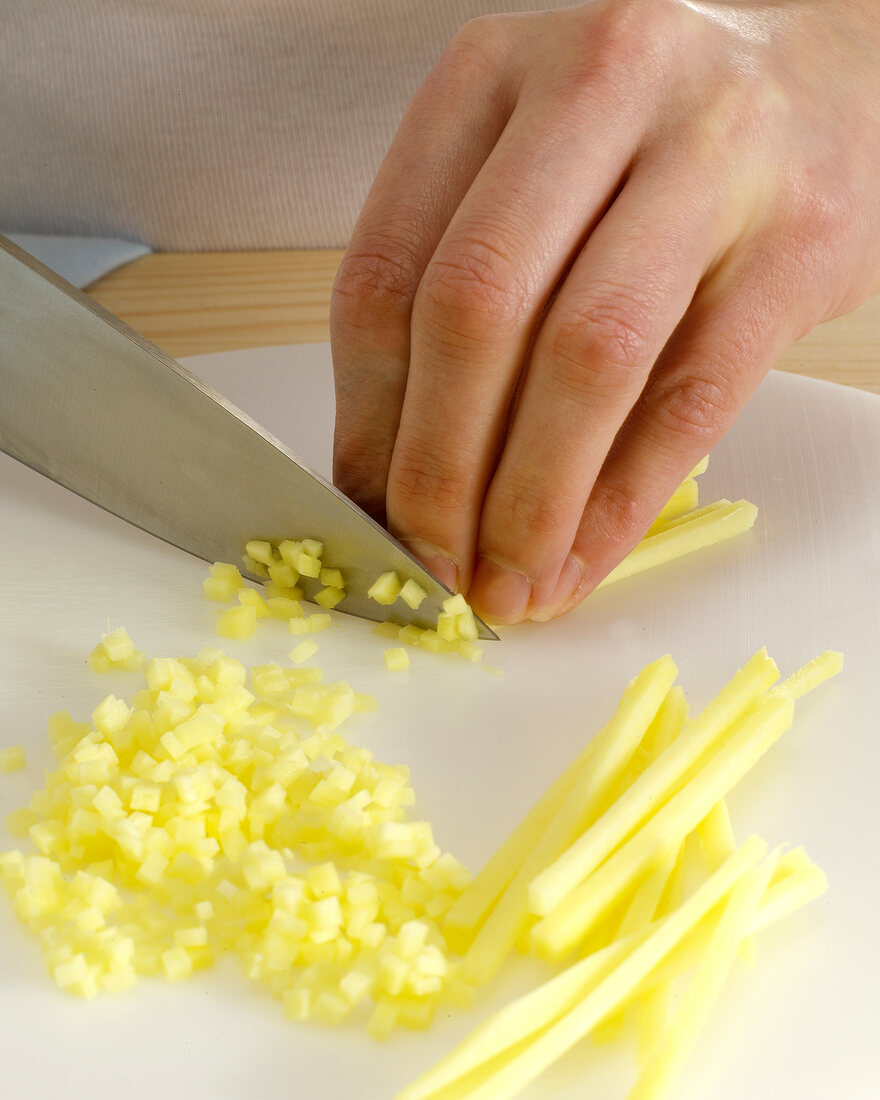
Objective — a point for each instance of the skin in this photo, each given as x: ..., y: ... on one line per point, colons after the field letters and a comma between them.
x: 594, y: 233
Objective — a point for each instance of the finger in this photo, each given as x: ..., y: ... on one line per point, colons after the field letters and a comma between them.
x: 618, y: 306
x: 740, y: 323
x: 544, y: 185
x: 445, y: 136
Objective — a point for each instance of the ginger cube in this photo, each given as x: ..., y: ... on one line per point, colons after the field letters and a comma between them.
x: 331, y: 578
x: 411, y: 939
x: 298, y: 1004
x: 330, y: 1008
x: 176, y: 964
x: 249, y: 597
x: 307, y: 565
x: 303, y: 651
x: 224, y: 570
x: 284, y: 607
x: 116, y: 651
x: 256, y: 568
x: 324, y: 880
x: 310, y: 624
x: 383, y: 1019
x: 413, y: 595
x: 12, y: 759
x: 385, y: 589
x: 410, y: 635
x: 396, y: 659
x: 219, y: 588
x: 237, y: 622
x: 469, y: 650
x: 283, y: 575
x: 111, y: 715
x: 260, y: 551
x: 329, y: 597
x: 387, y: 630
x: 447, y: 626
x: 18, y: 822
x: 356, y: 985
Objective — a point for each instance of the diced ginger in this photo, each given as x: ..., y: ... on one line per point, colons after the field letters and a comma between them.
x: 283, y: 607
x: 116, y: 651
x: 385, y: 589
x: 220, y: 589
x: 254, y: 567
x: 396, y: 660
x: 225, y: 570
x: 303, y: 651
x: 310, y: 624
x: 176, y: 964
x: 329, y: 597
x: 237, y: 622
x: 260, y: 551
x: 111, y: 715
x: 307, y: 564
x: 249, y: 597
x: 455, y: 605
x: 387, y: 630
x: 12, y: 759
x: 412, y: 594
x: 283, y: 575
x: 202, y: 790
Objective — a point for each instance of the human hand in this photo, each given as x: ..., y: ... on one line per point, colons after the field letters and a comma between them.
x: 594, y: 233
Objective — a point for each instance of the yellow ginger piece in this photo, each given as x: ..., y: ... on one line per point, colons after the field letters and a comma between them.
x: 260, y: 551
x: 385, y: 589
x: 172, y: 825
x: 116, y: 651
x: 303, y: 651
x: 237, y: 622
x: 456, y: 631
x: 396, y: 660
x: 249, y: 597
x: 255, y: 567
x: 284, y: 607
x: 329, y: 597
x: 331, y: 578
x: 310, y: 624
x: 283, y: 576
x: 12, y: 759
x: 412, y: 594
x: 223, y: 582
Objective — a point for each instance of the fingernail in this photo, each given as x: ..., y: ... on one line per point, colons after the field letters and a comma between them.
x: 499, y: 595
x: 435, y: 560
x: 569, y: 578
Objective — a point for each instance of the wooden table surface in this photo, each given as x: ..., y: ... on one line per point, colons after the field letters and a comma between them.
x: 190, y: 303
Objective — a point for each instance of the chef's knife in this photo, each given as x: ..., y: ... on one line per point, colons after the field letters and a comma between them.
x: 94, y: 406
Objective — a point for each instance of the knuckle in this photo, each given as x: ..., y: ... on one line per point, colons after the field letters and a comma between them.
x: 603, y: 344
x: 479, y: 46
x: 420, y: 486
x: 617, y: 514
x: 374, y: 287
x: 697, y: 406
x: 359, y: 457
x: 623, y: 37
x: 825, y: 216
x: 474, y: 290
x: 525, y: 509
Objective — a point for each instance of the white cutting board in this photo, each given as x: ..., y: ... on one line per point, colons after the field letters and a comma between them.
x: 804, y: 1024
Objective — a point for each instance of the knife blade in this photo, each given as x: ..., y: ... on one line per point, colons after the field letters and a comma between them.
x: 88, y: 402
